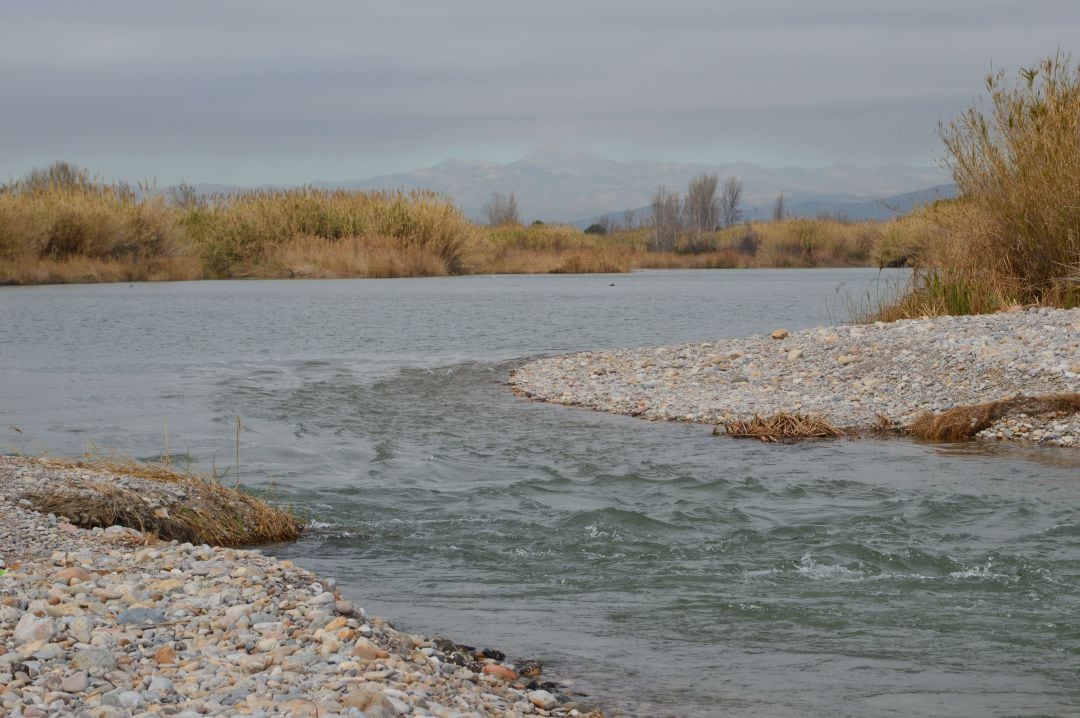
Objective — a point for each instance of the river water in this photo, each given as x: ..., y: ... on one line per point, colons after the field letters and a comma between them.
x: 665, y: 571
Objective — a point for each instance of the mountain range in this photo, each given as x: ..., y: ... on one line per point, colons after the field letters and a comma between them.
x: 575, y: 186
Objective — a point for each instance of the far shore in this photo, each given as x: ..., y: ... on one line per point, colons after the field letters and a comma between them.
x: 91, y: 279
x: 61, y: 226
x: 589, y: 261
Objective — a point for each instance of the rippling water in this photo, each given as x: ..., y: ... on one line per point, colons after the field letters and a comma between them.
x: 668, y: 572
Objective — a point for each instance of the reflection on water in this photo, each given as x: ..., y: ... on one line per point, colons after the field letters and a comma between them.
x: 668, y: 572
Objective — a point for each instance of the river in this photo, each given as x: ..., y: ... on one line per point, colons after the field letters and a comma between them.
x: 663, y: 571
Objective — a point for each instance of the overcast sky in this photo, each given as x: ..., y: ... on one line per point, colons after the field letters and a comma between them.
x: 272, y: 91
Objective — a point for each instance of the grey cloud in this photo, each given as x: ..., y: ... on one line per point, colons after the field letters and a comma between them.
x: 288, y: 92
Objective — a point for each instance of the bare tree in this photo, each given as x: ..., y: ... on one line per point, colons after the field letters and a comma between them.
x: 666, y: 219
x: 502, y: 210
x: 729, y: 201
x: 628, y: 219
x: 701, y: 208
x: 778, y: 207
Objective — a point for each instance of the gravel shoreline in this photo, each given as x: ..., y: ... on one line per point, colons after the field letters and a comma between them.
x: 852, y: 375
x: 111, y: 622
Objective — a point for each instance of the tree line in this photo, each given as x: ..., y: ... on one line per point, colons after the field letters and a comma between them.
x: 676, y: 221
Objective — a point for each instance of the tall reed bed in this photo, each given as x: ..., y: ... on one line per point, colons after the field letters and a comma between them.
x: 1013, y: 236
x: 61, y: 225
x: 334, y: 233
x: 549, y: 249
x: 792, y: 242
x: 60, y: 217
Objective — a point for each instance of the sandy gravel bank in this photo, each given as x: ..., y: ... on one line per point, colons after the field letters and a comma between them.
x: 113, y: 622
x: 854, y: 376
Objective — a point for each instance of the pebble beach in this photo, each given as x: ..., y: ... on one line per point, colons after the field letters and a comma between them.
x: 112, y: 622
x: 855, y: 376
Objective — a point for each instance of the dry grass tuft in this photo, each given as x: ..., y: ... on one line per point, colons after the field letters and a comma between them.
x: 211, y: 513
x: 964, y: 422
x: 781, y: 427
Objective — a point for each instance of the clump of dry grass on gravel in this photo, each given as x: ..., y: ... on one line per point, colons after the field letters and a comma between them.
x: 781, y: 427
x: 964, y: 422
x: 210, y: 513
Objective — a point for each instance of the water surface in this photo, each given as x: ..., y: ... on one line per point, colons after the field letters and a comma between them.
x: 668, y: 572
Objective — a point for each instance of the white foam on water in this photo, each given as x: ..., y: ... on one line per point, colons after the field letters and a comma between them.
x: 809, y: 568
x: 980, y: 572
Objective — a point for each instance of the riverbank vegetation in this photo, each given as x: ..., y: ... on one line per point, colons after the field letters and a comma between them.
x: 61, y: 225
x: 1013, y: 235
x: 962, y: 423
x: 1011, y: 238
x: 204, y: 511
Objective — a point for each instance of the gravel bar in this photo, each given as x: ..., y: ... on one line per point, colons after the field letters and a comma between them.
x: 854, y: 376
x: 111, y: 622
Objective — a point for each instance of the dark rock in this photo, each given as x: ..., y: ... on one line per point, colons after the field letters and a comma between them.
x: 445, y: 645
x: 530, y: 668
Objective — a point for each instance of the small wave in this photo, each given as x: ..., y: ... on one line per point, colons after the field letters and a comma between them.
x: 329, y: 531
x: 815, y: 571
x: 595, y: 532
x: 620, y: 522
x: 985, y: 571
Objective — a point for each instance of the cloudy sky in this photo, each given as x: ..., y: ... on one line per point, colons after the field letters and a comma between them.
x: 274, y: 91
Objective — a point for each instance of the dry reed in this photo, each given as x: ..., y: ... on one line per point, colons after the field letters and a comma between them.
x: 60, y: 225
x: 1013, y: 236
x: 249, y: 232
x: 964, y: 422
x: 780, y: 427
x: 210, y: 512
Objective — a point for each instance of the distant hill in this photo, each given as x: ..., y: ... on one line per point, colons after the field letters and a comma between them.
x: 860, y: 208
x: 560, y: 185
x: 833, y: 205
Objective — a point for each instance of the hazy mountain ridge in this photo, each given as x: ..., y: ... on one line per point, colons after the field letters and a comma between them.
x: 561, y: 185
x: 566, y: 185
